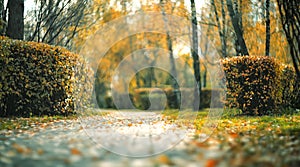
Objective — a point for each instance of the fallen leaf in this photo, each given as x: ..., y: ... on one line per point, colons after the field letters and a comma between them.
x: 200, y: 144
x: 75, y: 151
x: 233, y: 135
x: 164, y: 159
x: 20, y: 149
x: 40, y: 152
x: 211, y: 163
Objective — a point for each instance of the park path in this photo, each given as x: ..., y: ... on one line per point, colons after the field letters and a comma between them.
x: 94, y: 141
x: 146, y: 139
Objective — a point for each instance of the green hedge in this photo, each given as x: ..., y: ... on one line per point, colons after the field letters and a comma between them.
x: 39, y: 79
x: 142, y: 98
x: 119, y: 98
x: 257, y: 85
x: 290, y: 88
x: 152, y: 101
x: 210, y: 98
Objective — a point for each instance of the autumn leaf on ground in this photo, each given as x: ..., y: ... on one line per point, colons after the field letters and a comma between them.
x: 21, y: 149
x: 164, y: 159
x: 211, y: 163
x: 75, y: 151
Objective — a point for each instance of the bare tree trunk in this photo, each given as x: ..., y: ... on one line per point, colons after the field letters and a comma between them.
x: 172, y: 61
x: 290, y: 18
x: 224, y: 39
x: 1, y: 9
x: 196, y: 62
x: 268, y: 34
x: 205, y: 76
x: 221, y: 29
x: 204, y: 53
x: 15, y: 28
x: 237, y: 28
x: 2, y: 18
x: 137, y: 75
x: 240, y: 14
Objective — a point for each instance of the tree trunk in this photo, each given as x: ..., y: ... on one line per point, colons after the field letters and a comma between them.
x: 222, y: 29
x: 205, y: 77
x: 196, y: 62
x: 224, y: 39
x: 137, y: 74
x: 237, y: 28
x: 1, y: 9
x: 15, y: 28
x: 290, y: 18
x: 268, y: 34
x: 172, y: 61
x: 2, y: 18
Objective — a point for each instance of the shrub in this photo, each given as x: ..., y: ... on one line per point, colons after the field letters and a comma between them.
x: 296, y: 94
x: 211, y: 98
x: 39, y: 79
x: 171, y: 98
x: 143, y: 95
x: 260, y: 85
x: 157, y: 101
x: 152, y: 101
x: 144, y: 102
x: 187, y: 98
x: 108, y: 102
x: 252, y: 84
x: 141, y: 98
x: 122, y: 101
x: 290, y: 88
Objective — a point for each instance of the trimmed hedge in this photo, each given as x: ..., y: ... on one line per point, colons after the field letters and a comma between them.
x: 156, y: 98
x: 210, y: 98
x: 121, y: 99
x: 142, y: 96
x: 39, y: 79
x: 290, y: 87
x: 257, y: 85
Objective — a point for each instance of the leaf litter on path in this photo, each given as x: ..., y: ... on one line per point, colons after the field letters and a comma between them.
x: 236, y: 142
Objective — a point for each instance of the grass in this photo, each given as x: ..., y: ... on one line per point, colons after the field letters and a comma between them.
x: 281, y: 123
x: 249, y: 140
x: 16, y: 123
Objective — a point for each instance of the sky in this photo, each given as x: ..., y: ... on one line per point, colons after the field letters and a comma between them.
x: 27, y: 5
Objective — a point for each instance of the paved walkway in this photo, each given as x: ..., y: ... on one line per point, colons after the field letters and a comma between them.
x: 99, y: 141
x: 141, y: 139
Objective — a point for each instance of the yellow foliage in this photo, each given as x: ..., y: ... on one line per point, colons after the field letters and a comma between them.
x: 253, y: 84
x: 39, y: 79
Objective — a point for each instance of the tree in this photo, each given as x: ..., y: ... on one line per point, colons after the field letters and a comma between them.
x: 172, y: 61
x: 236, y: 23
x: 2, y: 18
x: 56, y: 21
x: 221, y: 29
x: 1, y: 9
x: 15, y: 28
x: 290, y: 19
x: 196, y: 62
x: 268, y: 33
